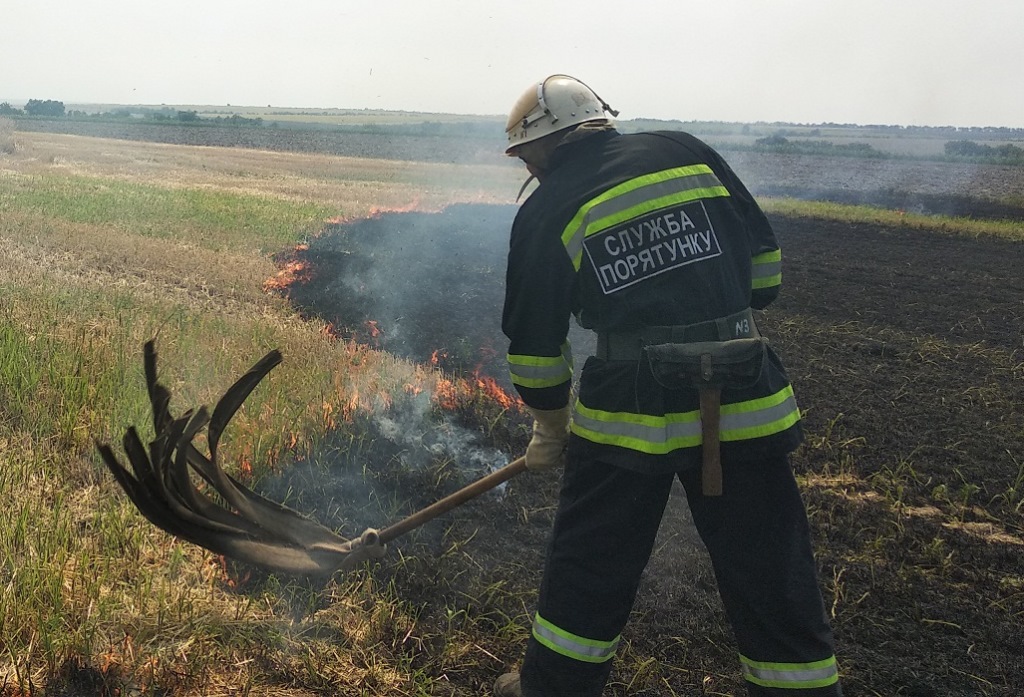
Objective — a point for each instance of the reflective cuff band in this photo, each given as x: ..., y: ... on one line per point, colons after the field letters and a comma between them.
x: 541, y: 371
x: 571, y: 645
x: 791, y: 676
x: 767, y: 270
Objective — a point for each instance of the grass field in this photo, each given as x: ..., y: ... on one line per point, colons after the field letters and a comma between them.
x: 105, y: 244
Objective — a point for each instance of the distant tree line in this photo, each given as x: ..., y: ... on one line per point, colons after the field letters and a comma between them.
x: 969, y: 150
x: 785, y: 138
x: 779, y: 143
x: 34, y: 107
x: 50, y: 108
x: 958, y: 150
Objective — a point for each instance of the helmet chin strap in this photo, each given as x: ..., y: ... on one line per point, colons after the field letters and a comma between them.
x: 526, y: 184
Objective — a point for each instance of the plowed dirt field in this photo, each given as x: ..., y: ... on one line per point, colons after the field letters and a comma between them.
x: 907, y: 355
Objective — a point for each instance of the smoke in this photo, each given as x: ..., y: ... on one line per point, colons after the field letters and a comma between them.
x: 425, y: 286
x: 426, y: 433
x: 429, y: 288
x: 394, y: 455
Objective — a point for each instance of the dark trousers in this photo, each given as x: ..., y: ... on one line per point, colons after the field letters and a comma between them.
x: 756, y: 535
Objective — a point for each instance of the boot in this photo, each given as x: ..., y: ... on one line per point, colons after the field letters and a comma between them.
x: 507, y: 685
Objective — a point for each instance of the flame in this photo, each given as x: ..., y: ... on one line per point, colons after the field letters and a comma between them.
x: 372, y: 327
x: 292, y: 270
x: 490, y: 387
x: 230, y: 579
x: 349, y: 407
x: 411, y: 207
x: 454, y: 394
x: 328, y: 410
x: 437, y: 355
x: 290, y: 273
x: 446, y: 394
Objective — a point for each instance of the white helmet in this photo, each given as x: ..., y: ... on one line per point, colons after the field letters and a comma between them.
x: 556, y: 103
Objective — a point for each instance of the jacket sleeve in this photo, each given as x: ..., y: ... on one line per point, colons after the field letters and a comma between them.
x: 539, y: 286
x: 765, y: 255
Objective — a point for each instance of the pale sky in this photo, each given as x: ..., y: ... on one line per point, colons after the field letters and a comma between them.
x: 907, y: 62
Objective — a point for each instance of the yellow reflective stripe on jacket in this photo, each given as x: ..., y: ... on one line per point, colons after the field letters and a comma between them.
x: 658, y: 435
x: 636, y: 197
x: 767, y: 269
x: 795, y: 676
x: 541, y: 371
x: 572, y: 645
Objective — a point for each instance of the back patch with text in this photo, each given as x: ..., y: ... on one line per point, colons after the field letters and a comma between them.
x: 645, y: 247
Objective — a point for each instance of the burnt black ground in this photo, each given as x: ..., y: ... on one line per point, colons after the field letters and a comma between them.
x: 906, y: 351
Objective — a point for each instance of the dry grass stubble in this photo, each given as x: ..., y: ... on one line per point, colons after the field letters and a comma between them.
x: 97, y: 599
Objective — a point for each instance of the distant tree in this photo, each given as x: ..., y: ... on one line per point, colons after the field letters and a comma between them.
x: 966, y: 148
x: 772, y: 141
x: 188, y: 116
x: 1007, y: 153
x: 49, y: 107
x: 1010, y: 152
x: 859, y: 149
x: 7, y: 110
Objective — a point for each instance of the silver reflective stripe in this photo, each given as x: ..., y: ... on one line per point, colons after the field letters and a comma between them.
x: 791, y: 675
x: 666, y: 188
x: 570, y: 645
x: 738, y: 425
x: 554, y: 373
x: 649, y: 429
x: 753, y: 418
x: 767, y: 270
x: 541, y: 371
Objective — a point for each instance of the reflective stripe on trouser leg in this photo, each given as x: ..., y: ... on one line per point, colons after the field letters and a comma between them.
x: 759, y: 541
x: 791, y: 676
x: 570, y: 645
x: 602, y: 537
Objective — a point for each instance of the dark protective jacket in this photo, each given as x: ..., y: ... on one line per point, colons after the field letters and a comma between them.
x: 634, y: 231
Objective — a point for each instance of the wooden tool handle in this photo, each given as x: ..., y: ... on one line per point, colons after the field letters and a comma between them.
x: 453, y: 500
x: 710, y: 419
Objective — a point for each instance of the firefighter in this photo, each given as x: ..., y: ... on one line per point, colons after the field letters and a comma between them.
x: 651, y: 241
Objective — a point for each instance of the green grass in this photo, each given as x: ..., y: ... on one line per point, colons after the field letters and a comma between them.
x: 90, y: 268
x: 896, y: 219
x: 215, y: 220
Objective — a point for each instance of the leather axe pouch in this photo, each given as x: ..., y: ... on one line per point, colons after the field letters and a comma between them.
x: 729, y: 364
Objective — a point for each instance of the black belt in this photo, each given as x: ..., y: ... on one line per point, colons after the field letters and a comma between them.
x: 628, y: 346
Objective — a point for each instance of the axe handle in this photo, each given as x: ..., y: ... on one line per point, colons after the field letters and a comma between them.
x: 453, y: 500
x: 711, y: 456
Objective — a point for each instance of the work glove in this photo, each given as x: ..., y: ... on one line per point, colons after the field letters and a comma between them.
x: 550, y: 437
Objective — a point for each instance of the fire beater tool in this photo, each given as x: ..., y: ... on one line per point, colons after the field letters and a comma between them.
x: 240, y: 523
